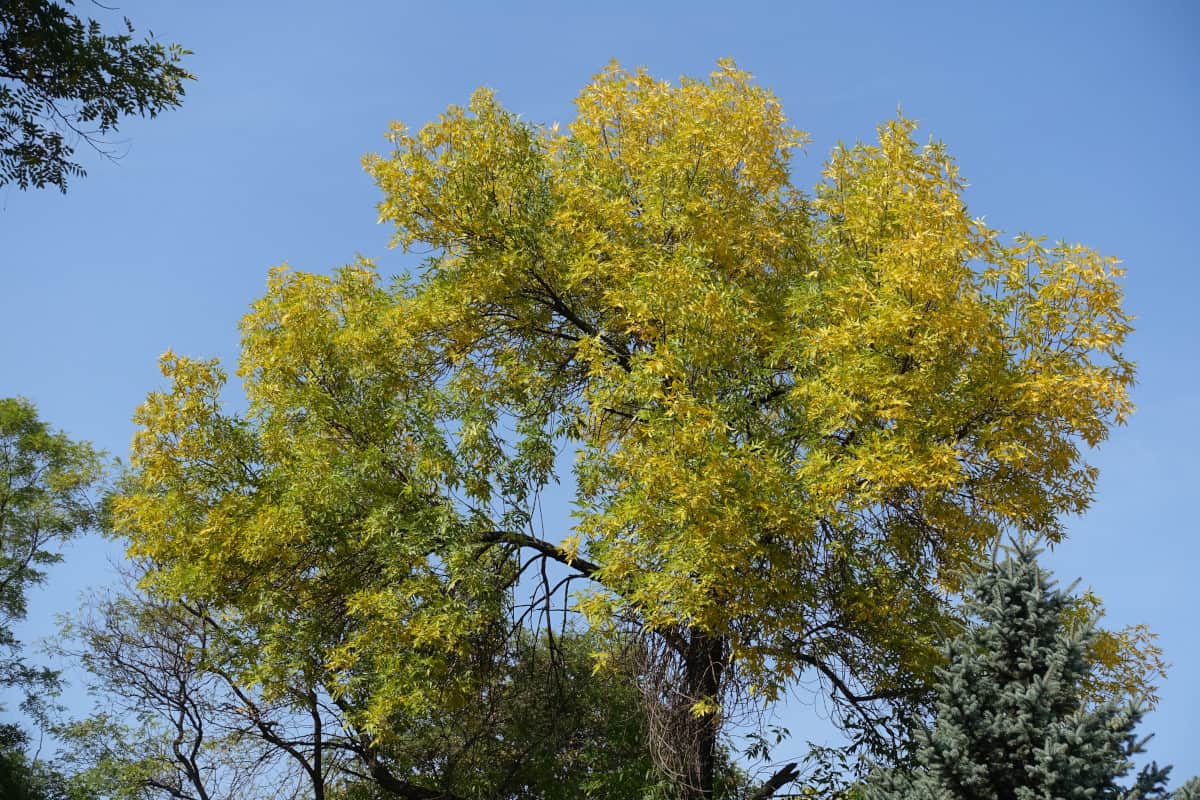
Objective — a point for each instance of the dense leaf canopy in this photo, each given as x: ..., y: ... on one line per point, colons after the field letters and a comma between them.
x: 797, y: 419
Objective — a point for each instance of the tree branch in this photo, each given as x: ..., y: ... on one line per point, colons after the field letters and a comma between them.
x: 782, y: 777
x: 553, y: 551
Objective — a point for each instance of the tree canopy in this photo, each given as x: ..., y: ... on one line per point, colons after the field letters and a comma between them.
x: 797, y: 419
x: 63, y: 81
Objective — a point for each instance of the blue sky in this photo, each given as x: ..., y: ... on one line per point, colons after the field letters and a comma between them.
x: 1073, y: 120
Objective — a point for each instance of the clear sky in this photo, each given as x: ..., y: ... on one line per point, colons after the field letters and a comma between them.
x: 1072, y: 120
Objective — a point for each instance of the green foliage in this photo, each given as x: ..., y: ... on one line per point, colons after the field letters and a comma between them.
x: 63, y: 80
x: 1012, y: 717
x: 108, y: 758
x: 23, y: 778
x: 45, y: 481
x: 548, y: 727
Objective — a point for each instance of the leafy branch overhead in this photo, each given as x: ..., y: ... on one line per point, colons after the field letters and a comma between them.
x: 64, y: 81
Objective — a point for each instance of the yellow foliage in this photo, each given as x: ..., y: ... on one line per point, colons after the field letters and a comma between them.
x: 799, y: 418
x: 1128, y: 662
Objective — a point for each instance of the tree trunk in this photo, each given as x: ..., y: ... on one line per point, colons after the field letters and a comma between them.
x: 704, y: 666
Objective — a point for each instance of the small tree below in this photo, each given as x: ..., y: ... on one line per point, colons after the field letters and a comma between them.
x: 1012, y: 718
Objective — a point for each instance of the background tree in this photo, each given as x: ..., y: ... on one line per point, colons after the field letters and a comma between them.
x: 45, y: 485
x: 45, y: 481
x: 63, y: 81
x: 798, y: 420
x: 1012, y: 717
x: 174, y: 721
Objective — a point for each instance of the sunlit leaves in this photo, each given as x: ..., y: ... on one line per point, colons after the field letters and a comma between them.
x: 798, y: 419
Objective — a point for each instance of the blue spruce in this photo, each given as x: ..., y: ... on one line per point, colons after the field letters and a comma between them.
x: 1011, y: 720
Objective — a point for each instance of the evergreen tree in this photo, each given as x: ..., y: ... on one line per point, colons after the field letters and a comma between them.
x: 1189, y: 791
x: 1012, y: 721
